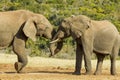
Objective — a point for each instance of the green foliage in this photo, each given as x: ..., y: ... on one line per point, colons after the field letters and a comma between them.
x: 56, y: 10
x: 39, y: 47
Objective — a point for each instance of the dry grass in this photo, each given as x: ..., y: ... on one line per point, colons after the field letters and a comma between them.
x: 42, y: 62
x: 40, y: 68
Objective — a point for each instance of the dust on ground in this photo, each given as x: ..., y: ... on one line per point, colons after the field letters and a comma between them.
x: 39, y: 68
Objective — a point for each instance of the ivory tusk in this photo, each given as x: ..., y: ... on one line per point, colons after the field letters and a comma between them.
x: 54, y: 41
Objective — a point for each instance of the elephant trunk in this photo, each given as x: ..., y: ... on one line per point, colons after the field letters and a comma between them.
x: 55, y: 48
x: 52, y: 49
x: 56, y: 43
x: 48, y: 33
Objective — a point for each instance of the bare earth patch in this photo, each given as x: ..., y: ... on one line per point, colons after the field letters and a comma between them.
x: 39, y: 68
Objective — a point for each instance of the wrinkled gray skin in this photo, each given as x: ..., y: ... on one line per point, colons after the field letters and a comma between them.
x: 91, y: 36
x: 17, y: 26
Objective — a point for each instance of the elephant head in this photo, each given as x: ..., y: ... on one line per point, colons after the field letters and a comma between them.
x: 38, y: 25
x: 74, y: 26
x: 17, y: 26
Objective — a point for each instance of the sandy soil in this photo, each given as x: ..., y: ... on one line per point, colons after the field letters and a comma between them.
x: 40, y: 68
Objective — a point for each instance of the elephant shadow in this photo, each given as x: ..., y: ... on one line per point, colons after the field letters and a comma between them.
x: 37, y: 72
x: 52, y: 72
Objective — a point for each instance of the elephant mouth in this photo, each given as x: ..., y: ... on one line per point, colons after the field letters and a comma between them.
x: 45, y: 36
x: 41, y: 35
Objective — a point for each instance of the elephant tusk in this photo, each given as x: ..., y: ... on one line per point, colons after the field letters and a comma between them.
x: 55, y: 41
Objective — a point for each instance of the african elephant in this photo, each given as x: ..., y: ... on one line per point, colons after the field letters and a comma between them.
x: 100, y: 37
x: 17, y: 26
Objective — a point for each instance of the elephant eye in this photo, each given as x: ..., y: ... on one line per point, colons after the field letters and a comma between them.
x: 64, y: 21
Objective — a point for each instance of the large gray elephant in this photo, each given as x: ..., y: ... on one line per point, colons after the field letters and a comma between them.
x: 100, y: 37
x: 17, y: 26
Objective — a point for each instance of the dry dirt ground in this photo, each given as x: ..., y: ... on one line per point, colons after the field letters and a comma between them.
x: 39, y: 68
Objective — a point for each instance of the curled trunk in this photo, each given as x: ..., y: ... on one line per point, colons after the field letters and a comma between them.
x: 55, y: 48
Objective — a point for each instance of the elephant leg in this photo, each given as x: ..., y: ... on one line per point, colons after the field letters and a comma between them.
x: 87, y: 64
x: 100, y: 58
x: 113, y: 56
x: 113, y: 60
x: 113, y: 67
x: 19, y: 49
x: 79, y: 54
x: 88, y: 49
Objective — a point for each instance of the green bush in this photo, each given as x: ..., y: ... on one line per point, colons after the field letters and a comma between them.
x: 56, y: 10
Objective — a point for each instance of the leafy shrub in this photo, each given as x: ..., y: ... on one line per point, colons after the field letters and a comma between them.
x: 56, y: 10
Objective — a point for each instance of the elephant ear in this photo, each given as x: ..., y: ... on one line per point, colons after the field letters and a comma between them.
x: 88, y: 23
x: 30, y: 29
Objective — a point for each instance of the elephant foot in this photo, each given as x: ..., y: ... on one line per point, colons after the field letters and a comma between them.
x: 88, y: 73
x: 97, y: 73
x: 113, y: 73
x: 18, y: 66
x: 76, y: 73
